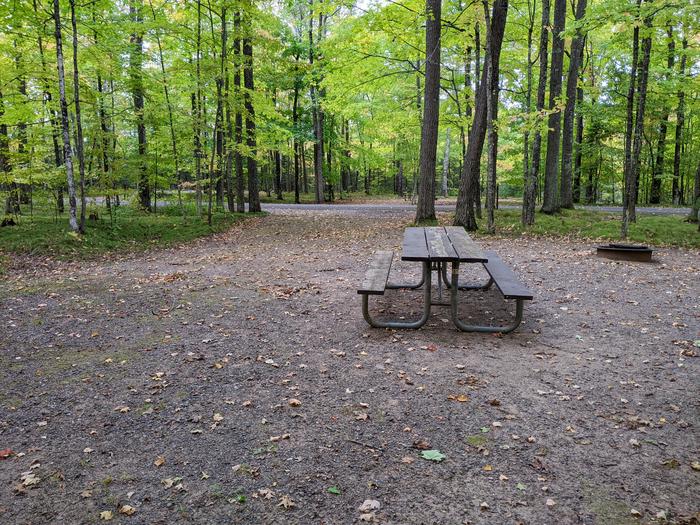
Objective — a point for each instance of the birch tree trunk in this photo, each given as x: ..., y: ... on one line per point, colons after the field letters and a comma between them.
x: 67, y: 151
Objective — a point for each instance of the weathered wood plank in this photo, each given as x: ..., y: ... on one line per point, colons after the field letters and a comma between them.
x: 414, y: 246
x: 506, y: 281
x: 374, y: 282
x: 439, y: 245
x: 467, y: 250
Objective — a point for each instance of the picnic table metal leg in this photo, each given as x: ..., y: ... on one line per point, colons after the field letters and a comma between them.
x: 403, y: 324
x: 479, y: 328
x: 397, y: 286
x: 465, y: 286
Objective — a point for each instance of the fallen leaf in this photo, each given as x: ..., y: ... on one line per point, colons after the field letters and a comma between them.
x: 29, y: 478
x: 550, y: 502
x: 635, y: 513
x: 407, y: 459
x: 369, y: 505
x: 159, y: 462
x: 462, y: 398
x: 127, y: 509
x: 218, y: 417
x: 695, y: 465
x: 106, y: 515
x: 122, y: 409
x: 334, y: 490
x: 488, y: 468
x: 433, y: 455
x: 6, y: 453
x: 484, y: 506
x: 286, y: 502
x: 294, y: 403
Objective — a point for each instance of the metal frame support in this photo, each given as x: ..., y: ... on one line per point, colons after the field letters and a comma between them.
x: 479, y: 328
x: 466, y: 286
x: 404, y: 324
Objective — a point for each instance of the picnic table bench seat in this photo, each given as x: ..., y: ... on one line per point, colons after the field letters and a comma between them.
x: 377, y: 274
x: 505, y: 279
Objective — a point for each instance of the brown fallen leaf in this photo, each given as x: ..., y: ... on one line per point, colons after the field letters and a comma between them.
x: 159, y: 461
x: 6, y: 453
x: 286, y: 502
x: 127, y: 510
x: 407, y: 459
x: 462, y: 398
x: 421, y: 444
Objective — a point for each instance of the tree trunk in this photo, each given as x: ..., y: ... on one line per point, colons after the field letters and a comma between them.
x: 317, y: 114
x: 238, y: 157
x: 579, y: 142
x: 629, y: 211
x: 566, y: 196
x: 67, y: 151
x: 532, y: 162
x: 551, y: 194
x: 4, y: 151
x: 78, y: 118
x: 446, y: 164
x: 468, y: 186
x: 137, y: 91
x: 680, y: 122
x: 295, y: 119
x: 696, y: 198
x: 658, y: 169
x: 431, y: 113
x: 253, y: 188
x: 492, y: 64
x: 168, y: 104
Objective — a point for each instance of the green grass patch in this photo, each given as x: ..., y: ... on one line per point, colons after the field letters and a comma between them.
x: 127, y: 230
x: 658, y: 230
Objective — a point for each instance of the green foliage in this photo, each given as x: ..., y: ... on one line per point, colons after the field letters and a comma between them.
x: 131, y: 230
x: 657, y: 230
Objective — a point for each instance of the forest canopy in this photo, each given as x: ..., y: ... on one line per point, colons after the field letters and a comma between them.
x: 223, y: 99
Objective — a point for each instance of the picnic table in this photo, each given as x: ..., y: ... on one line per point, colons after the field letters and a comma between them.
x: 436, y: 248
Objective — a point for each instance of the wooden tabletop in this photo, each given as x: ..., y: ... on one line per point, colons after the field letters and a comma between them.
x: 440, y: 243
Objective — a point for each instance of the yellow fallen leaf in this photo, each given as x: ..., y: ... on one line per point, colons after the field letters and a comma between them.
x: 488, y: 468
x: 106, y: 515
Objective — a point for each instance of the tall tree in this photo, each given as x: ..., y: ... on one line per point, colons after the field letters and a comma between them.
x: 468, y: 186
x: 631, y: 182
x: 431, y: 113
x: 317, y: 112
x: 550, y: 202
x: 566, y: 197
x: 137, y: 93
x: 658, y: 167
x: 253, y: 192
x: 530, y: 190
x: 78, y: 118
x: 67, y: 150
x: 680, y: 123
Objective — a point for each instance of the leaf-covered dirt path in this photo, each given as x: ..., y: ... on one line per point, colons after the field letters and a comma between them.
x: 234, y: 381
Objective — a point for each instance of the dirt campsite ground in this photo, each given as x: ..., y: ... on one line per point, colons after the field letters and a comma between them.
x: 233, y: 380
